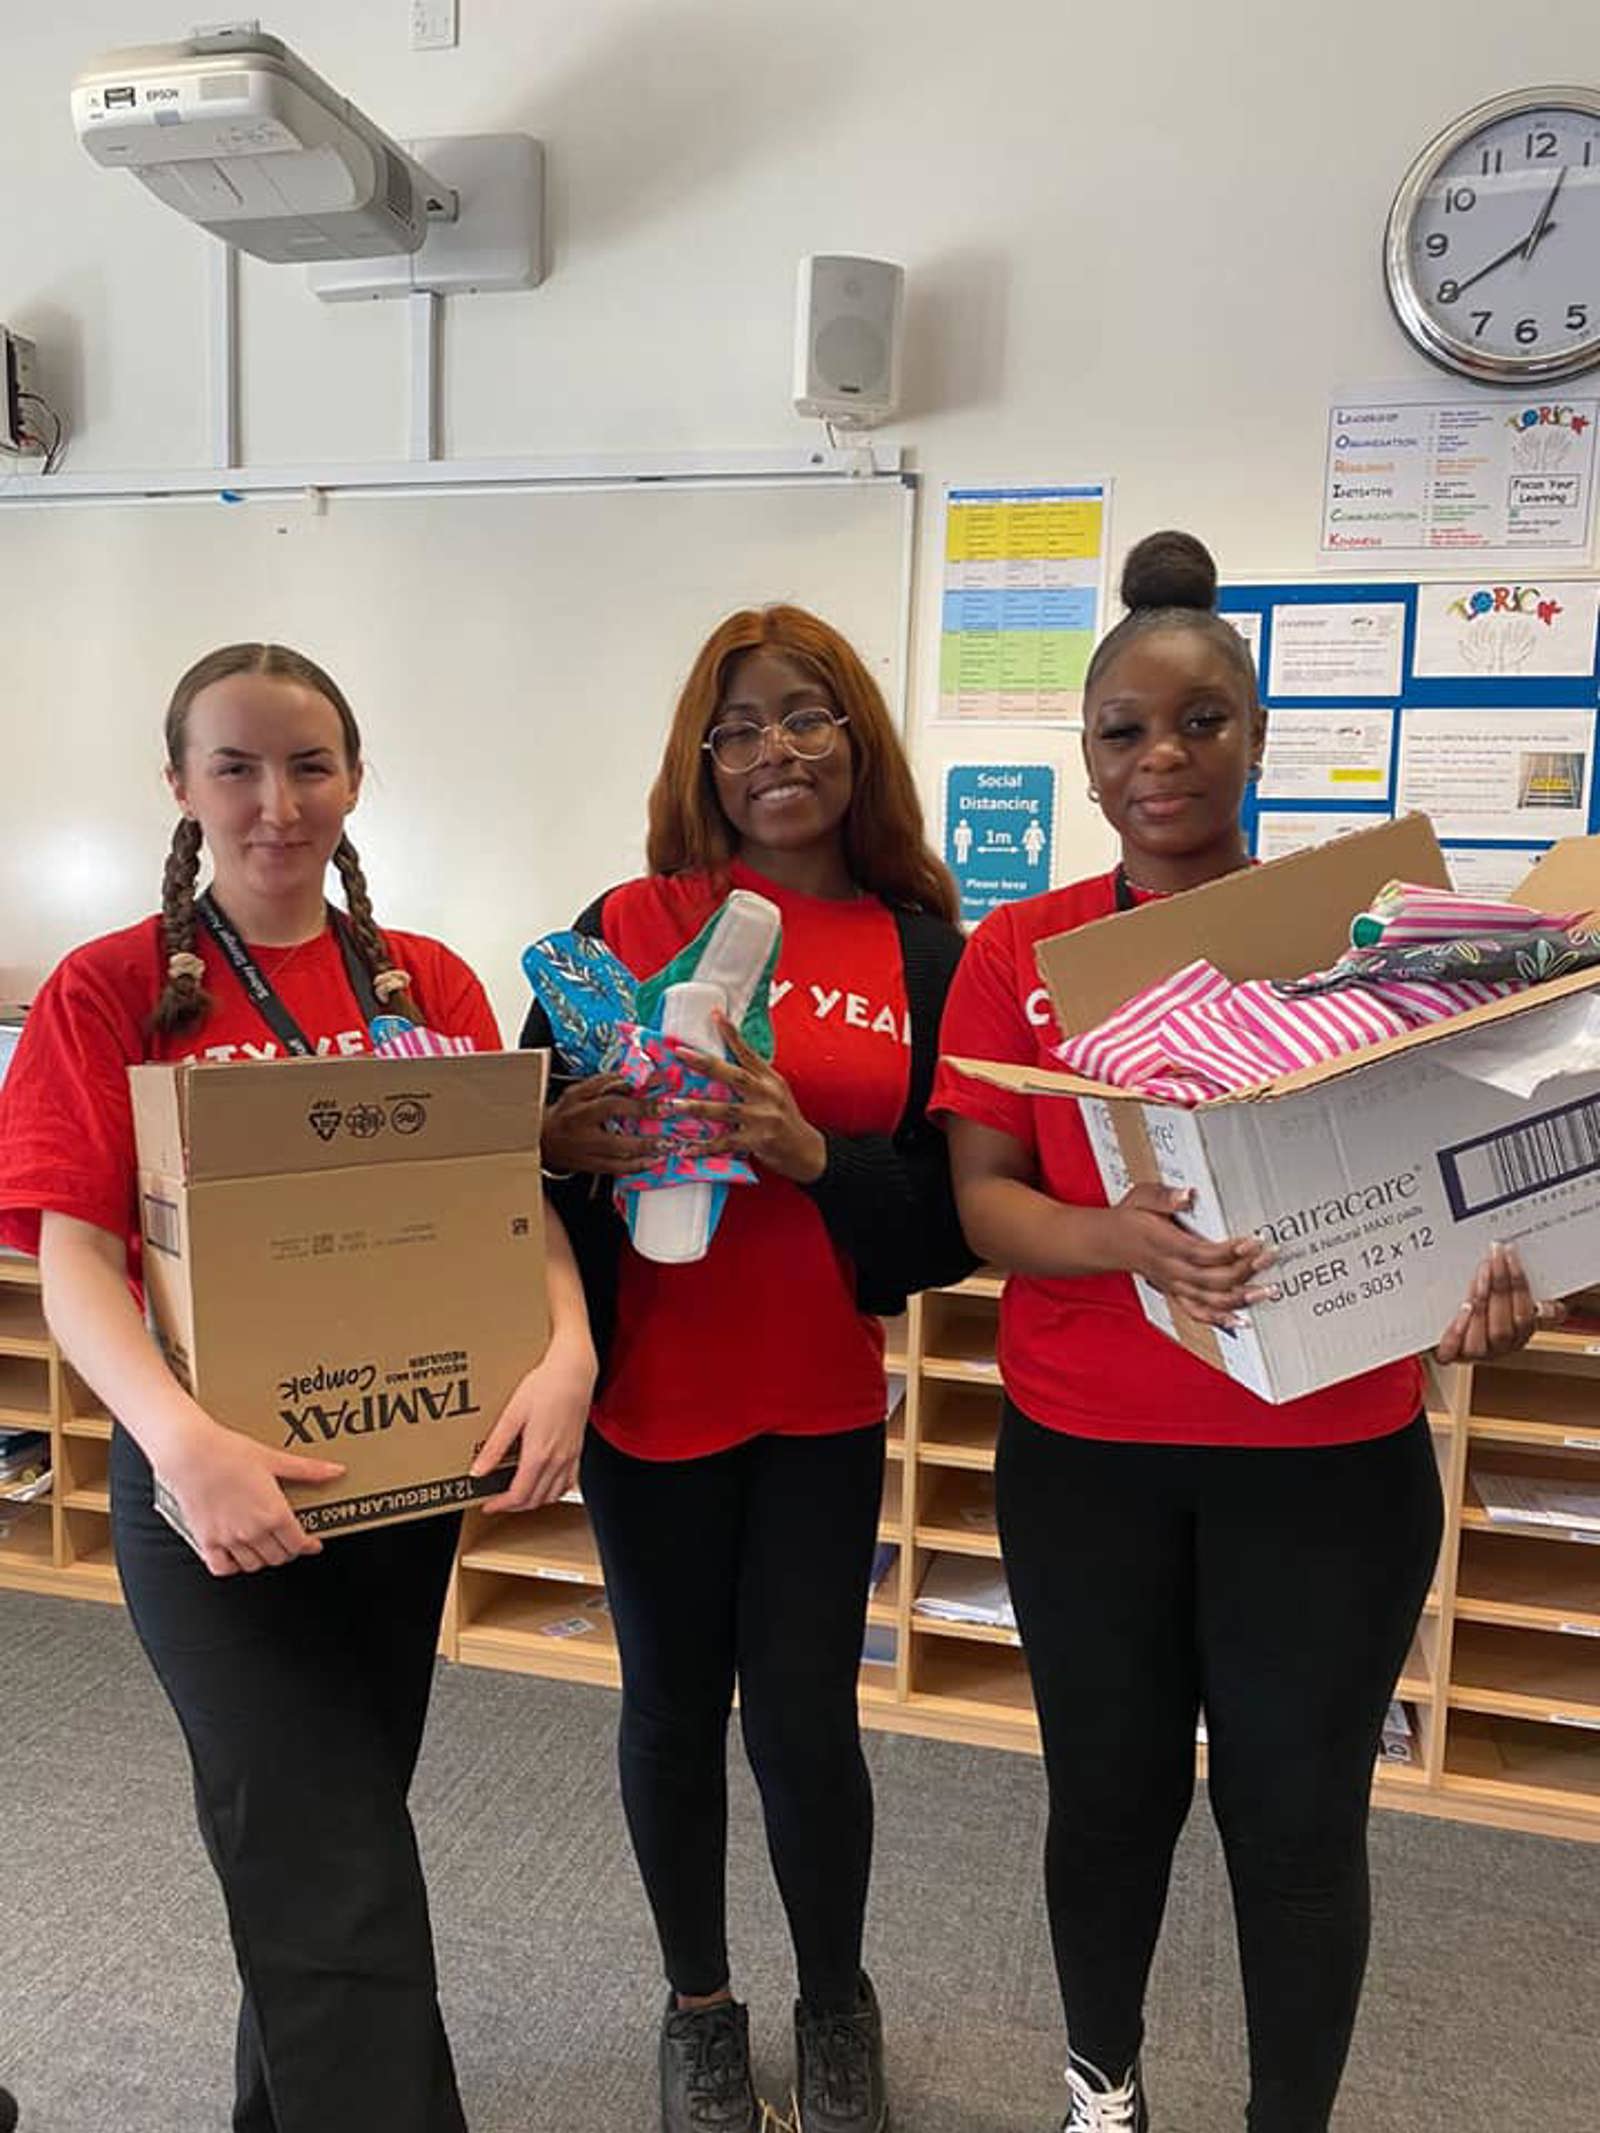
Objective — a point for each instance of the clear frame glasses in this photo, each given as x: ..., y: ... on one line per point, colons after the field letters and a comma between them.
x: 808, y: 734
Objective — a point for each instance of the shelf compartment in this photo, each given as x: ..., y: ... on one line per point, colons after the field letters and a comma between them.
x: 22, y: 1327
x: 25, y: 1537
x: 965, y: 1571
x: 1553, y: 1768
x: 896, y: 1344
x: 555, y: 1542
x: 84, y: 1415
x: 892, y: 1516
x: 972, y: 1680
x: 530, y: 1624
x: 83, y: 1476
x: 1417, y: 1676
x: 958, y: 1338
x: 1506, y: 1578
x: 957, y: 1512
x: 1525, y: 1673
x: 957, y: 1424
x: 968, y: 1632
x: 24, y: 1392
x: 1546, y: 1465
x: 883, y: 1606
x: 894, y: 1429
x: 1559, y: 1408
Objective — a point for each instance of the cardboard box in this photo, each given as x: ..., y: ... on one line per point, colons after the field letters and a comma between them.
x: 345, y: 1258
x: 1381, y: 1178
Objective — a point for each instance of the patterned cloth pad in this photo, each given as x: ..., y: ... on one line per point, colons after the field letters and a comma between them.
x: 1504, y: 961
x: 1406, y: 912
x: 599, y: 1017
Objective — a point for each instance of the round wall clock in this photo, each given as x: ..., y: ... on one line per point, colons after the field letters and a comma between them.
x: 1492, y: 254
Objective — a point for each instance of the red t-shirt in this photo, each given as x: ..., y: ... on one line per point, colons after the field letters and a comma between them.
x: 762, y: 1335
x: 66, y: 1119
x: 1079, y: 1355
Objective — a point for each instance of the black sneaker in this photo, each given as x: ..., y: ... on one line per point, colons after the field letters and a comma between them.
x: 705, y: 2070
x: 839, y: 2067
x: 8, y: 2111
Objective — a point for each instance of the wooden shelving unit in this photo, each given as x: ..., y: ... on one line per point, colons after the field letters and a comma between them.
x: 1502, y: 1685
x: 62, y: 1544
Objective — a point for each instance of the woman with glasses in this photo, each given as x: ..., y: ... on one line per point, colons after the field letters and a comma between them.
x: 735, y: 1464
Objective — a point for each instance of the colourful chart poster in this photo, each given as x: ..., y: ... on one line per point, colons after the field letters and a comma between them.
x: 1023, y: 593
x: 1411, y: 478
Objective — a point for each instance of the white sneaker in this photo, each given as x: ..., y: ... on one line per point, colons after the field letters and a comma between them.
x: 1097, y: 2107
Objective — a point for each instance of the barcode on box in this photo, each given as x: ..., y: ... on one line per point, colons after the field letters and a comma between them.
x: 161, y: 1228
x: 1500, y: 1168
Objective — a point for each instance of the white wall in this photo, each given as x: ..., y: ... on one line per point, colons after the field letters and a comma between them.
x: 1143, y: 239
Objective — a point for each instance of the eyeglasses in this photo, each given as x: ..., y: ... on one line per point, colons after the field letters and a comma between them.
x: 808, y: 734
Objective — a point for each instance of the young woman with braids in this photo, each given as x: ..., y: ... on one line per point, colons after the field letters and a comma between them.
x: 1171, y: 1541
x: 300, y: 1676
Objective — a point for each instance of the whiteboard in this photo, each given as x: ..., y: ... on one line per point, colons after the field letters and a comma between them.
x: 512, y: 658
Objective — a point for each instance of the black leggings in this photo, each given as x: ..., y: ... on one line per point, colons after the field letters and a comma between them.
x: 1277, y: 1589
x: 750, y: 1564
x: 302, y: 1693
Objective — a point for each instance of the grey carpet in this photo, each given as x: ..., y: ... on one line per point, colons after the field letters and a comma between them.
x: 1482, y: 2015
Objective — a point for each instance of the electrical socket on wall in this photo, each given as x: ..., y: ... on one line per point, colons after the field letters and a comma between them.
x: 435, y: 25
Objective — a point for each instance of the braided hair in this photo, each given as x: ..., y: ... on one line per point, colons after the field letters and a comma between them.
x: 1169, y: 582
x: 184, y: 1002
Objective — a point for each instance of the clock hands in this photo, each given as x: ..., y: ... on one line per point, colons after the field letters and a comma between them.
x: 1541, y: 229
x: 1525, y: 247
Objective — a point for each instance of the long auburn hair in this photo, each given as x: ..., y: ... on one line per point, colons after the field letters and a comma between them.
x: 885, y: 844
x: 184, y: 1001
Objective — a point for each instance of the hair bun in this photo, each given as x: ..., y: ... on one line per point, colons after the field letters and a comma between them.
x: 1169, y: 570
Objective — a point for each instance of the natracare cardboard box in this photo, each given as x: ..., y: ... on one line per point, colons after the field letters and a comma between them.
x: 1381, y: 1178
x: 345, y: 1258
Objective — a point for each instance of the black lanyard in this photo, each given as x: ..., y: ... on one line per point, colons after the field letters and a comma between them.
x: 1123, y: 889
x: 259, y: 987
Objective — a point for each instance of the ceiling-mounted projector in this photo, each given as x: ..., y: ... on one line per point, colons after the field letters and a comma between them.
x: 235, y: 131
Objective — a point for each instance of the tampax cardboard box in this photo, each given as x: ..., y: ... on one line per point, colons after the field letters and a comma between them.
x: 345, y: 1258
x: 1381, y: 1178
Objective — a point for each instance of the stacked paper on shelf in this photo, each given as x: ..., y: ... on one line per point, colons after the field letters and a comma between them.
x: 884, y: 1558
x: 966, y: 1588
x: 1533, y: 1500
x: 894, y: 1392
x: 1395, y: 1745
x: 24, y: 1464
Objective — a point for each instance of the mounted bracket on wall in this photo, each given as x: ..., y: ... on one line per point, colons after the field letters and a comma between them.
x: 495, y: 242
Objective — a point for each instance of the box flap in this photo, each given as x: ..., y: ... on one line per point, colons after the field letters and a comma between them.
x: 157, y: 1094
x: 1567, y: 878
x: 260, y: 1118
x: 1280, y: 920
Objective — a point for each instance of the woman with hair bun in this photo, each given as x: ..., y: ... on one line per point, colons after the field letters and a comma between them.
x: 1173, y: 1543
x: 300, y: 1675
x: 735, y: 1468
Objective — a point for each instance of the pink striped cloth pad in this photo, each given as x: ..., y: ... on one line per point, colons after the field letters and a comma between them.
x: 1197, y: 1035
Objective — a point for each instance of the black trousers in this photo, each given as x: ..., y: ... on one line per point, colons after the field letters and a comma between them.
x: 1277, y: 1589
x: 750, y: 1564
x: 302, y: 1693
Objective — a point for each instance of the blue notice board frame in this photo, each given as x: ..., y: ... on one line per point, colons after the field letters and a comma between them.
x: 1507, y: 693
